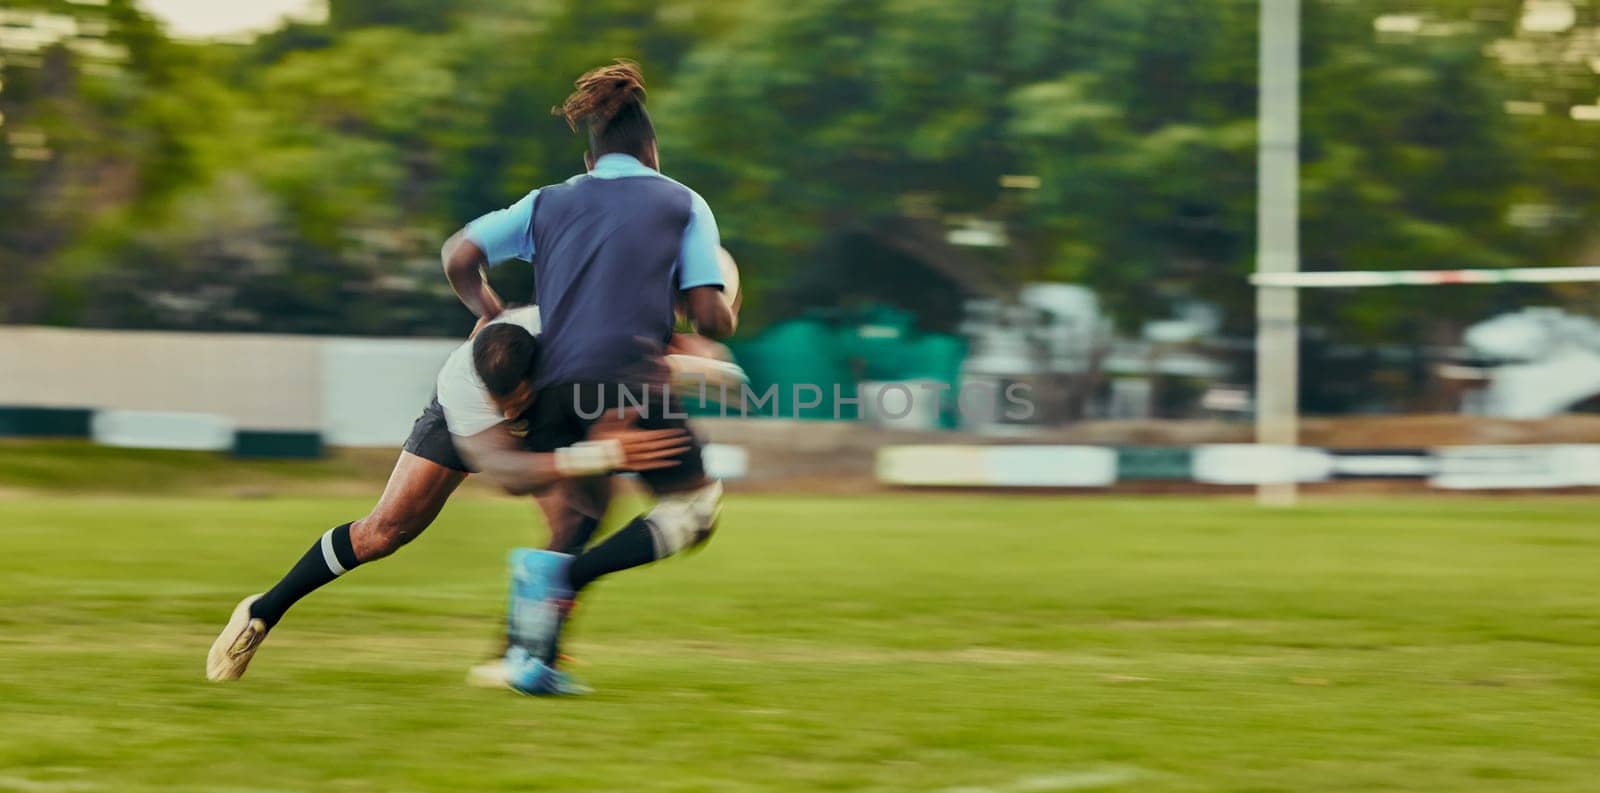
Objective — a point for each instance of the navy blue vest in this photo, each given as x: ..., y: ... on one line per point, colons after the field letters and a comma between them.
x: 605, y: 274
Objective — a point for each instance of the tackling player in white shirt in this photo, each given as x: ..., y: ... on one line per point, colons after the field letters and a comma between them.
x: 467, y: 429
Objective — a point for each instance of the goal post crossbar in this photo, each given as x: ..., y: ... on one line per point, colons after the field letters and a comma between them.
x: 1358, y: 278
x: 1286, y: 419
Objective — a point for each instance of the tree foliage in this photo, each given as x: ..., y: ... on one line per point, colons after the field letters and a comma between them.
x: 303, y: 182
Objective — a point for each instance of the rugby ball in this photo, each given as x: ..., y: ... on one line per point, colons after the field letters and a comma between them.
x: 730, y: 280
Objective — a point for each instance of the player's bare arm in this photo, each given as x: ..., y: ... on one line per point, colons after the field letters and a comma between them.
x: 714, y: 309
x: 464, y: 266
x: 612, y: 446
x: 711, y: 314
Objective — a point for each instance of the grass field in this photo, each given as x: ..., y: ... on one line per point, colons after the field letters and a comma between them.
x: 896, y: 643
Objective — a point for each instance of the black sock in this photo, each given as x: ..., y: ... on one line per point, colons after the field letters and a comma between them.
x: 329, y: 557
x: 631, y: 546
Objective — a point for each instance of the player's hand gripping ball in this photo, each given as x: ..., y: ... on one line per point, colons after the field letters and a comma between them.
x: 730, y: 286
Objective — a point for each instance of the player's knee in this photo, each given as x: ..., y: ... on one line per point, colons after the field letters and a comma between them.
x: 685, y: 520
x: 377, y: 536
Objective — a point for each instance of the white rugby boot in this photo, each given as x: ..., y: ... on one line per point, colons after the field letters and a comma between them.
x: 237, y: 643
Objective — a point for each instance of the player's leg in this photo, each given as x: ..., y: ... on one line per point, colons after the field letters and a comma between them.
x: 685, y: 515
x: 427, y: 472
x: 573, y: 510
x: 545, y: 584
x: 419, y: 486
x: 417, y: 490
x: 680, y: 520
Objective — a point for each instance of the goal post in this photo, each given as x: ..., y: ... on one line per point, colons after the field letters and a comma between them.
x: 1278, y: 241
x: 1272, y: 413
x: 1278, y: 279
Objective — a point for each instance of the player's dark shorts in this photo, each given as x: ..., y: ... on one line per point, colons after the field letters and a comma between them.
x: 430, y: 439
x: 561, y: 415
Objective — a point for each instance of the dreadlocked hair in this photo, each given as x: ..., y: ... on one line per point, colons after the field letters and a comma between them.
x: 608, y: 104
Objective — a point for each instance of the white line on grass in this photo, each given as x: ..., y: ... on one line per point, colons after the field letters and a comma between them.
x: 1085, y: 779
x: 22, y: 784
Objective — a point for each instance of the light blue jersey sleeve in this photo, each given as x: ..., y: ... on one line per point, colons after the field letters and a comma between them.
x: 505, y: 234
x: 697, y: 259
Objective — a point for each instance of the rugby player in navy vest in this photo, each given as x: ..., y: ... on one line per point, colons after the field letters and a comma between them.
x: 483, y: 390
x: 615, y: 252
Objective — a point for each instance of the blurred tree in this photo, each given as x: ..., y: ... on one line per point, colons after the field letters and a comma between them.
x: 83, y: 132
x: 821, y: 123
x: 1138, y: 121
x: 304, y: 182
x: 420, y: 15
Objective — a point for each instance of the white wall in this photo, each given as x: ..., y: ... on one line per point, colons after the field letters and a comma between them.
x: 357, y: 392
x: 373, y: 389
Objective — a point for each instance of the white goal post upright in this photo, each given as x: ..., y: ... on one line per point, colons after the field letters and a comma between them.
x: 1278, y: 241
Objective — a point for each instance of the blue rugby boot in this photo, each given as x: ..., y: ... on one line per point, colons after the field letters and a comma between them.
x: 528, y: 675
x: 532, y: 678
x: 565, y: 685
x: 541, y: 597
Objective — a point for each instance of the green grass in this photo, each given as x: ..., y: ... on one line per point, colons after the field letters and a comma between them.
x: 899, y: 643
x: 77, y: 466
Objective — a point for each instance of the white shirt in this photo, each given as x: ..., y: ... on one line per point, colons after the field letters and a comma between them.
x: 468, y: 408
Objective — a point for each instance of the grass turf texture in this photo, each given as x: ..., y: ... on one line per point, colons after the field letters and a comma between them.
x: 916, y: 642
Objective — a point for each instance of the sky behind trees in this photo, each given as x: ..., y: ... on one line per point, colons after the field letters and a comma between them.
x: 208, y: 18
